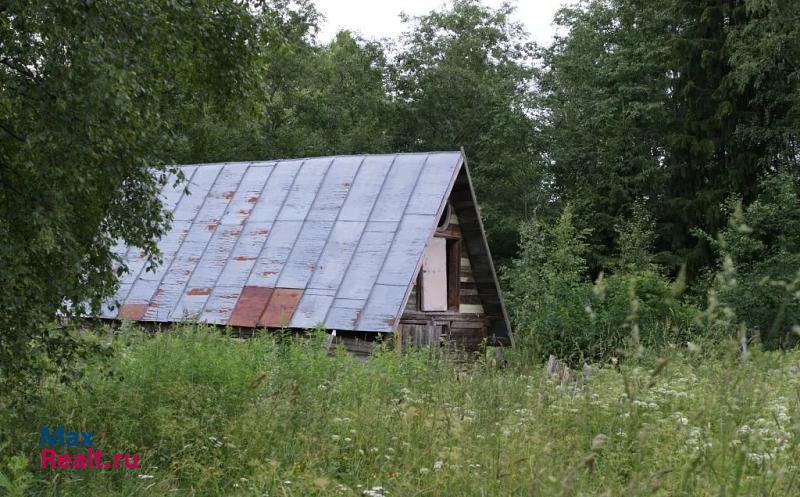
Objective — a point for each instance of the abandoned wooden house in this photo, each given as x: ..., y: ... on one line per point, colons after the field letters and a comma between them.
x: 364, y: 245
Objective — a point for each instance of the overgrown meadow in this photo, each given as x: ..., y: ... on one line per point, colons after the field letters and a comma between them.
x: 213, y: 415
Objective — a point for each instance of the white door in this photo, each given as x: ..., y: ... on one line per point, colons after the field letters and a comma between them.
x: 434, y: 276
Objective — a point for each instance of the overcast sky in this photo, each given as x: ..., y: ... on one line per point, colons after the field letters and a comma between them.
x: 381, y: 18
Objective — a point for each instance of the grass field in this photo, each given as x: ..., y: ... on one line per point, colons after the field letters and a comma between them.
x: 211, y: 415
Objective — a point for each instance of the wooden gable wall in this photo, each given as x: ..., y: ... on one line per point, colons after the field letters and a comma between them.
x: 469, y: 300
x: 480, y: 317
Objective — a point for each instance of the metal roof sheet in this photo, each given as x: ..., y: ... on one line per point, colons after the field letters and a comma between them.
x: 327, y: 240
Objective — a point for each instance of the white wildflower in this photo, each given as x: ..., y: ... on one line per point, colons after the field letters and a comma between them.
x: 374, y: 492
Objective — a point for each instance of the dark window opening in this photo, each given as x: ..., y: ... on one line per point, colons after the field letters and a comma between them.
x: 444, y: 221
x: 453, y: 274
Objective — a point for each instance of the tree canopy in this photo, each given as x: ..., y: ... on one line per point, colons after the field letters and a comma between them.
x: 92, y: 97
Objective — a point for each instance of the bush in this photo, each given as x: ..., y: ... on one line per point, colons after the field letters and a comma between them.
x: 547, y: 287
x: 639, y: 309
x: 558, y: 310
x: 762, y: 243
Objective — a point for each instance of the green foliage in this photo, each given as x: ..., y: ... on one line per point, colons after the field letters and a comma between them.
x: 635, y: 310
x: 210, y: 415
x: 557, y: 310
x: 18, y: 479
x: 605, y: 90
x: 87, y: 122
x: 635, y: 241
x: 462, y: 79
x: 761, y: 246
x: 547, y: 288
x: 686, y: 103
x: 329, y: 100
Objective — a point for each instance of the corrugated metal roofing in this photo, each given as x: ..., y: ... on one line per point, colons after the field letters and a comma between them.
x: 331, y: 240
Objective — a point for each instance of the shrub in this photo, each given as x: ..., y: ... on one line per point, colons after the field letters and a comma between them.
x: 547, y: 286
x: 762, y: 245
x: 640, y: 309
x: 558, y: 310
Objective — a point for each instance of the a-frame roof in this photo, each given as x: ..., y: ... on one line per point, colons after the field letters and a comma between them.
x: 330, y: 240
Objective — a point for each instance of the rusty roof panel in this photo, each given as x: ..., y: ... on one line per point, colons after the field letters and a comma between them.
x: 280, y: 308
x: 250, y: 306
x: 134, y: 312
x: 337, y: 238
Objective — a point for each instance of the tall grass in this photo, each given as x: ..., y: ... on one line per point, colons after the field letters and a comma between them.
x: 212, y: 415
